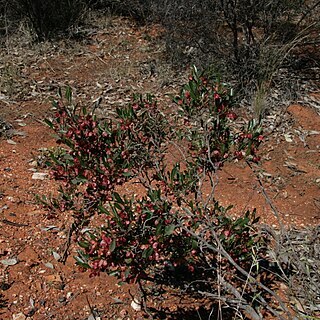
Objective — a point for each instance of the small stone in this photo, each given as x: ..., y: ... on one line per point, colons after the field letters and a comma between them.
x: 49, y: 265
x: 92, y: 317
x: 19, y: 316
x: 11, y: 141
x: 33, y: 163
x: 39, y: 176
x: 136, y: 305
x: 9, y: 262
x: 56, y: 255
x: 5, y: 207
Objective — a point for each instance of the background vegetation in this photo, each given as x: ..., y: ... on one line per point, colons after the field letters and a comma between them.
x: 247, y: 42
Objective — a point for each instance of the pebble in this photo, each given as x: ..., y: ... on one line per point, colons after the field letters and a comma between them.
x: 11, y: 141
x: 33, y: 163
x: 135, y: 305
x: 49, y: 265
x: 19, y: 316
x: 39, y: 176
x: 92, y: 317
x: 9, y: 262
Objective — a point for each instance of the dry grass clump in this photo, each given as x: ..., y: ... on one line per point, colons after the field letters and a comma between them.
x: 298, y: 256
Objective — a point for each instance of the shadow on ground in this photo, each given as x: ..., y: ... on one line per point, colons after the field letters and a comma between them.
x: 201, y: 313
x: 3, y: 303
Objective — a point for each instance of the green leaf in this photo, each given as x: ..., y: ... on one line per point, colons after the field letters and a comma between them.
x: 168, y: 230
x: 194, y: 244
x: 114, y: 273
x: 127, y: 273
x: 81, y: 262
x: 49, y: 123
x: 117, y: 206
x: 117, y: 197
x: 67, y: 156
x: 83, y: 244
x: 102, y: 209
x: 78, y: 180
x: 127, y: 174
x: 112, y: 245
x: 59, y: 93
x: 68, y: 94
x: 255, y: 220
x: 159, y: 229
x: 147, y: 253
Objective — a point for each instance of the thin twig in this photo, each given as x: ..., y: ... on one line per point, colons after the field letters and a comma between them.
x: 221, y: 250
x: 91, y: 309
x: 274, y: 209
x: 67, y: 244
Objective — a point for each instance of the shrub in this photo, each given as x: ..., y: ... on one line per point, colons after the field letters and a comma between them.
x: 9, y: 19
x: 238, y: 38
x: 171, y: 224
x: 139, y: 10
x: 48, y: 18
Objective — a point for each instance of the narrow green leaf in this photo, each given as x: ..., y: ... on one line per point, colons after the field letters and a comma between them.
x: 49, y: 123
x: 117, y: 197
x: 81, y: 262
x: 114, y: 273
x: 59, y: 93
x: 68, y: 94
x: 83, y: 244
x: 159, y: 229
x: 112, y: 245
x: 147, y: 253
x: 102, y: 209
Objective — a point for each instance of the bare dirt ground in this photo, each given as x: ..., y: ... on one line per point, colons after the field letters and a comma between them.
x: 112, y: 62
